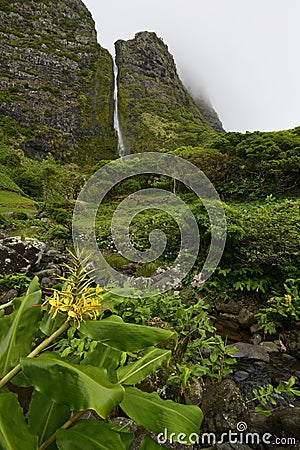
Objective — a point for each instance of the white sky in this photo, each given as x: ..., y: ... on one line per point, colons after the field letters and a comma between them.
x: 244, y: 54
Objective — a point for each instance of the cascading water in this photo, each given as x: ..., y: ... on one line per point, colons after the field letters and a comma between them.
x: 121, y: 145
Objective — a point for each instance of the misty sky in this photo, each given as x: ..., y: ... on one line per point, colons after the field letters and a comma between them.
x: 244, y: 54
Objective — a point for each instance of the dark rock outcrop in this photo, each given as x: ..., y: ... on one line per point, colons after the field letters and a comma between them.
x: 223, y: 408
x: 56, y: 82
x: 19, y: 256
x: 156, y: 111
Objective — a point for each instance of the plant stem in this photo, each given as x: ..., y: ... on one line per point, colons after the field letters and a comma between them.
x: 66, y: 425
x: 35, y: 352
x: 5, y: 305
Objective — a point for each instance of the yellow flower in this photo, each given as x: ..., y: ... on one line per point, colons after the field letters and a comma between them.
x: 85, y: 305
x: 288, y: 299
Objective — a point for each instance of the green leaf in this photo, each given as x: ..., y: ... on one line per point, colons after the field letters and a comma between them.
x: 137, y: 371
x: 89, y: 435
x: 106, y: 357
x: 45, y: 416
x: 127, y: 337
x: 265, y: 412
x: 49, y: 325
x: 149, y: 444
x: 14, y: 433
x: 155, y: 414
x: 79, y: 386
x: 16, y: 336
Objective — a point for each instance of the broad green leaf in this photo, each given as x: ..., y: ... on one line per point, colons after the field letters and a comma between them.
x: 155, y: 414
x: 124, y: 336
x: 137, y: 371
x: 89, y: 435
x: 105, y: 357
x: 18, y: 329
x: 149, y: 444
x: 49, y: 325
x: 45, y: 416
x: 78, y: 386
x: 14, y: 433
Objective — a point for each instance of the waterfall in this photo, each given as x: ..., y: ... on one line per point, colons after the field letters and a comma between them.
x: 117, y: 127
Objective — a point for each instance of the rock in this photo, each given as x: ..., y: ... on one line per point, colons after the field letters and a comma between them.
x: 285, y: 421
x: 293, y: 343
x: 259, y: 423
x: 194, y: 394
x: 147, y: 73
x: 255, y: 328
x: 47, y: 283
x: 250, y: 351
x: 19, y: 256
x: 231, y: 307
x: 246, y: 318
x: 270, y: 347
x: 49, y: 273
x: 223, y: 408
x: 256, y: 339
x: 50, y: 76
x: 240, y: 375
x: 8, y: 296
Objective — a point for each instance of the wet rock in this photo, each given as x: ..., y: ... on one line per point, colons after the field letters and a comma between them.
x: 256, y: 339
x: 293, y: 343
x: 285, y: 421
x: 259, y: 423
x: 223, y: 407
x: 51, y: 272
x: 270, y: 347
x: 240, y: 375
x: 246, y: 318
x: 250, y: 351
x: 47, y: 283
x: 8, y: 296
x: 194, y: 396
x: 229, y: 308
x: 255, y: 328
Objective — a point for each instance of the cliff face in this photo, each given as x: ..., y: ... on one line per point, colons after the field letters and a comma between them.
x: 156, y: 111
x: 56, y: 82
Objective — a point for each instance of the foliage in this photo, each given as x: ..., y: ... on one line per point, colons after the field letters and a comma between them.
x: 197, y: 339
x: 266, y: 396
x: 14, y: 281
x: 100, y: 379
x: 281, y: 312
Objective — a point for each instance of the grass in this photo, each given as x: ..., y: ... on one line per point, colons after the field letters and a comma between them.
x: 12, y: 201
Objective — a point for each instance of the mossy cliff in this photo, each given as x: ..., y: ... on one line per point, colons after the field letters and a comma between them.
x: 56, y: 81
x: 156, y: 111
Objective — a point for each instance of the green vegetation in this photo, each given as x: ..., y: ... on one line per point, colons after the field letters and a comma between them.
x: 266, y: 396
x: 11, y: 201
x: 100, y: 379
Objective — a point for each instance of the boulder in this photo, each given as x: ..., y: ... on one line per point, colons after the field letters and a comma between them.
x: 223, y: 408
x: 246, y: 318
x: 285, y: 421
x: 19, y: 256
x: 293, y: 343
x: 250, y: 351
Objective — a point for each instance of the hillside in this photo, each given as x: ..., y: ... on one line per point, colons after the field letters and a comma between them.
x: 56, y: 81
x: 156, y: 111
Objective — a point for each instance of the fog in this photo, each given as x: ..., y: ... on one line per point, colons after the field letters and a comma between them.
x: 242, y: 54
